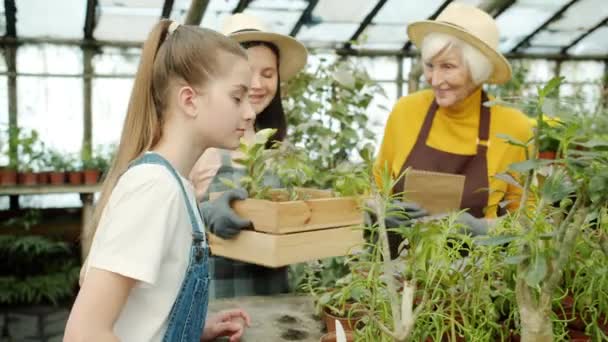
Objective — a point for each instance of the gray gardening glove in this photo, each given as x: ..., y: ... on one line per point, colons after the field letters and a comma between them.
x: 219, y: 216
x: 472, y: 225
x: 399, y: 214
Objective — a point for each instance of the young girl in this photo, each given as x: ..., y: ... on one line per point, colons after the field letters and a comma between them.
x: 273, y: 57
x: 146, y: 278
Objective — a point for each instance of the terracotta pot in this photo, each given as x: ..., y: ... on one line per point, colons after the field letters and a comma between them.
x: 8, y: 177
x: 578, y: 336
x: 57, y: 178
x: 91, y: 176
x: 348, y: 323
x: 331, y: 337
x: 547, y: 155
x: 75, y: 177
x: 28, y: 178
x: 43, y: 177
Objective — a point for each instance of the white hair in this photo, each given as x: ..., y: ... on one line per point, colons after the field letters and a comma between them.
x: 478, y: 64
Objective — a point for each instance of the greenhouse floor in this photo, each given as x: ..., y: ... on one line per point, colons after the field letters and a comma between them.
x: 278, y: 318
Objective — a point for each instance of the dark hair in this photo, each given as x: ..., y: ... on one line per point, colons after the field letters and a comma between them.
x: 273, y: 116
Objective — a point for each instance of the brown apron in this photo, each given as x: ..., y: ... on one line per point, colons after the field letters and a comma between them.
x: 473, y: 167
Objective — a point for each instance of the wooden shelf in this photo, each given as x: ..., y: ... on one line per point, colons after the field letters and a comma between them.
x: 49, y: 189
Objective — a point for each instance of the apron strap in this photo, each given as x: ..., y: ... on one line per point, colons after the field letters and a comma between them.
x: 155, y: 158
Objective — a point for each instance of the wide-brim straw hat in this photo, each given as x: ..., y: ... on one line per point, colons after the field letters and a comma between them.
x: 471, y: 25
x: 245, y: 28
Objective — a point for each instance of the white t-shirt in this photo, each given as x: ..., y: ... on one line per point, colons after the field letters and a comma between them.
x: 145, y: 234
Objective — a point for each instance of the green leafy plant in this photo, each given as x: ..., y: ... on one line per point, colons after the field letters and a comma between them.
x: 255, y: 162
x: 553, y: 213
x: 24, y: 150
x: 35, y: 269
x: 327, y: 113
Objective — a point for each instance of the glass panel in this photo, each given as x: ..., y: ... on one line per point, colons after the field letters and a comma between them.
x: 595, y: 43
x: 388, y: 35
x: 3, y: 110
x: 51, y: 201
x: 57, y: 19
x: 110, y: 101
x: 522, y: 18
x: 581, y: 16
x: 2, y: 19
x: 285, y: 5
x: 179, y: 10
x: 327, y: 32
x: 216, y: 12
x: 52, y: 106
x: 587, y: 71
x: 114, y: 19
x: 555, y: 38
x: 470, y: 2
x: 404, y: 12
x: 379, y: 109
x: 47, y: 58
x: 279, y: 21
x: 2, y: 60
x: 132, y: 3
x: 331, y: 10
x: 378, y: 68
x: 539, y: 70
x: 584, y: 97
x: 542, y: 49
x: 112, y: 61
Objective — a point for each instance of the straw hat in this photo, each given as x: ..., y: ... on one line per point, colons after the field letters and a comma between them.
x: 245, y: 28
x: 471, y: 25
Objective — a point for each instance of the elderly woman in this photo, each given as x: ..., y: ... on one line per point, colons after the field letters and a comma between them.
x: 447, y: 128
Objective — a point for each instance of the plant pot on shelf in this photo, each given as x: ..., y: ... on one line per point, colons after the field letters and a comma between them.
x: 57, y: 178
x: 331, y: 337
x: 8, y: 177
x: 43, y: 177
x: 28, y: 178
x: 75, y: 177
x: 91, y: 176
x: 551, y: 155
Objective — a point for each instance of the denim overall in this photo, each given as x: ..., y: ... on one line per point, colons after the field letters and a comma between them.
x: 187, y: 317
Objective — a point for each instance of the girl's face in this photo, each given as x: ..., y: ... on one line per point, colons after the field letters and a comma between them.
x: 225, y: 111
x: 264, y: 82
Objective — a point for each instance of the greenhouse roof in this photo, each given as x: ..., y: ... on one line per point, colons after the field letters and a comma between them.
x: 544, y: 28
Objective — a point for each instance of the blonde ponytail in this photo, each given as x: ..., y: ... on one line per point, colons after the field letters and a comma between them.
x: 188, y: 53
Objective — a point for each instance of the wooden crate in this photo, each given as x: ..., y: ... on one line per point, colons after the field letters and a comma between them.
x: 319, y: 211
x: 280, y: 250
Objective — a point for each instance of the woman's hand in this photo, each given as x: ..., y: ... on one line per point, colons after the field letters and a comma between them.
x: 229, y: 323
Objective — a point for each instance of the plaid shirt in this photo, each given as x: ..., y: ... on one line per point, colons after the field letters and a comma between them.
x: 231, y: 278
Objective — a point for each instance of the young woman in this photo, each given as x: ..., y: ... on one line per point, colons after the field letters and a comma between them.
x: 146, y: 278
x: 273, y: 57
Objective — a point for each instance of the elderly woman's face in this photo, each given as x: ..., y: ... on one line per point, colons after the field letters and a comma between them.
x: 449, y: 77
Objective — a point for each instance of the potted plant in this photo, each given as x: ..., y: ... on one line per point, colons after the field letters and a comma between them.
x: 58, y: 164
x: 552, y: 215
x: 74, y: 171
x: 37, y: 283
x: 313, y: 222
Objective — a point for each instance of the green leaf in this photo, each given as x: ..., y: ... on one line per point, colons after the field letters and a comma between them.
x: 495, y: 240
x: 551, y: 86
x: 527, y: 165
x: 516, y: 259
x: 537, y: 271
x: 507, y: 178
x: 511, y: 141
x: 229, y: 183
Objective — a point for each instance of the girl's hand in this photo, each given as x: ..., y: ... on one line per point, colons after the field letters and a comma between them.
x: 229, y: 323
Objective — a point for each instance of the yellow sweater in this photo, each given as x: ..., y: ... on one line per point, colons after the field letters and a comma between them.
x: 455, y: 130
